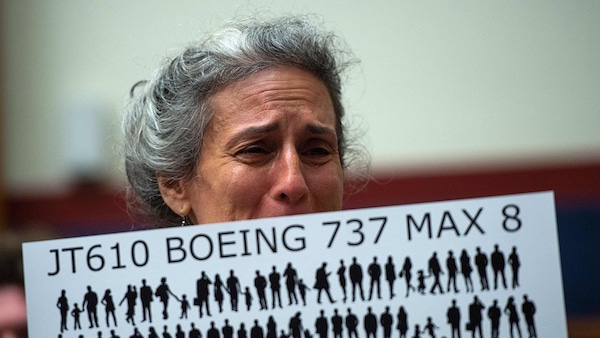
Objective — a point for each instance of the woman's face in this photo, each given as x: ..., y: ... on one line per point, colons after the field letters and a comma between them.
x: 271, y: 149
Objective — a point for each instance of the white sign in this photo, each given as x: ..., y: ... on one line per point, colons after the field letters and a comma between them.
x: 425, y: 270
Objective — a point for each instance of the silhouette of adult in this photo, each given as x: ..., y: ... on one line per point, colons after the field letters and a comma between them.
x: 341, y: 272
x: 137, y: 334
x: 260, y: 283
x: 466, y: 269
x: 271, y: 328
x: 218, y: 287
x: 233, y: 285
x: 390, y: 275
x: 257, y: 331
x: 452, y: 269
x: 498, y: 265
x: 430, y: 327
x: 402, y: 325
x: 241, y: 332
x: 374, y: 271
x: 202, y: 291
x: 370, y: 324
x: 109, y: 307
x: 179, y: 332
x: 295, y: 326
x: 146, y: 299
x: 528, y: 309
x: 494, y: 314
x: 406, y: 272
x: 212, y: 332
x: 435, y: 270
x: 356, y: 277
x: 162, y: 292
x: 131, y: 297
x: 351, y: 324
x: 513, y: 316
x: 515, y: 263
x: 274, y: 278
x: 194, y: 332
x: 337, y: 324
x: 63, y: 306
x: 165, y: 333
x: 90, y: 303
x: 475, y: 317
x: 152, y: 332
x: 322, y: 283
x: 227, y: 330
x: 321, y: 325
x: 481, y: 262
x: 113, y: 334
x: 291, y: 279
x: 453, y: 318
x: 386, y: 320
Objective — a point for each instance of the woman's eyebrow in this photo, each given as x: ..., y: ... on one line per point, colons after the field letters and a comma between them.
x: 252, y: 131
x: 321, y: 130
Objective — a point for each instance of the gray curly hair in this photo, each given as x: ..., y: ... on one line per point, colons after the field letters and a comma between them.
x: 165, y: 120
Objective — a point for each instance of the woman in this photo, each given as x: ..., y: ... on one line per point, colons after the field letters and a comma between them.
x: 245, y: 124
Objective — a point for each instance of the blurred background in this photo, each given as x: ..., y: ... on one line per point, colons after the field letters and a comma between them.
x: 453, y: 99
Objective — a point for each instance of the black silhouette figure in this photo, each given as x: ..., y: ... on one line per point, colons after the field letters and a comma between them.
x: 165, y: 333
x: 337, y: 324
x: 271, y: 328
x: 466, y: 269
x: 356, y: 277
x: 194, y: 332
x: 163, y: 292
x: 295, y: 326
x: 90, y: 303
x: 475, y: 317
x: 481, y: 262
x: 109, y: 307
x: 351, y: 324
x: 227, y: 330
x: 291, y: 280
x: 274, y: 278
x: 76, y: 312
x: 453, y: 318
x: 256, y: 331
x: 417, y: 332
x: 321, y: 325
x: 179, y: 332
x: 370, y: 324
x: 213, y: 332
x: 302, y: 288
x: 241, y: 332
x: 406, y: 272
x: 136, y: 333
x: 494, y: 314
x: 387, y: 320
x: 131, y: 297
x: 218, y: 291
x: 390, y: 275
x: 515, y: 263
x: 247, y: 298
x: 113, y: 334
x: 430, y: 327
x: 341, y: 272
x: 421, y: 282
x: 233, y: 285
x: 513, y: 316
x: 260, y: 283
x: 99, y: 334
x: 498, y: 264
x: 284, y: 335
x: 152, y: 332
x: 374, y: 271
x: 435, y: 270
x: 322, y: 283
x: 146, y: 298
x: 528, y: 309
x: 185, y: 306
x: 452, y: 268
x: 202, y: 285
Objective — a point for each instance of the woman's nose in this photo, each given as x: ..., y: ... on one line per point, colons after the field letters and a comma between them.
x: 290, y: 183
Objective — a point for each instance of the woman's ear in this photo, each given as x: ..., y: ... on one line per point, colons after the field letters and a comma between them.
x: 175, y: 196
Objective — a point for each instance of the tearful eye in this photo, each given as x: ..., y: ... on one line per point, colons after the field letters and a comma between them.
x: 318, y: 152
x: 253, y: 150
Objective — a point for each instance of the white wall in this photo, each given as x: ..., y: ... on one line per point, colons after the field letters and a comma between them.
x: 441, y: 83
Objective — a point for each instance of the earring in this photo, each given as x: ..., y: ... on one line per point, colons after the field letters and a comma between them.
x: 182, y: 218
